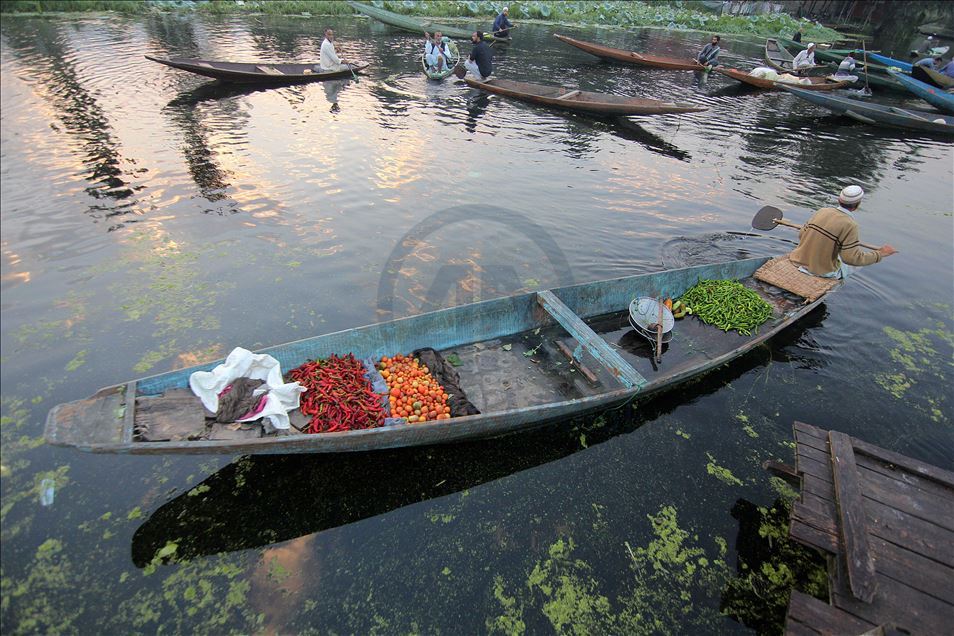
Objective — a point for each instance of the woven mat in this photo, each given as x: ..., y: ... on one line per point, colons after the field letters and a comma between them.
x: 784, y: 274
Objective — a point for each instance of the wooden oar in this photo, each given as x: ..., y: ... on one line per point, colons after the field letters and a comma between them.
x: 659, y: 331
x: 768, y: 217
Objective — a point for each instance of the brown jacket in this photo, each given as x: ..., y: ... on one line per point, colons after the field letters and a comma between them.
x: 830, y: 233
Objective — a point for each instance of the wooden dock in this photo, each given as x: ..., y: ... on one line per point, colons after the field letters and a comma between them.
x: 886, y: 523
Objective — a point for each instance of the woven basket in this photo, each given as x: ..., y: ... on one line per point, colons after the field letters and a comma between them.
x: 784, y: 274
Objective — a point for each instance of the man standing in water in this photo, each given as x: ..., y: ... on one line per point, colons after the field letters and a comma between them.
x: 829, y: 241
x: 480, y: 63
x: 709, y: 55
x: 502, y: 24
x: 328, y: 59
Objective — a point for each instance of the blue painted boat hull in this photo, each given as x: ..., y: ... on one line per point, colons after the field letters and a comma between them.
x: 890, y: 61
x: 104, y: 422
x: 879, y: 114
x: 937, y: 97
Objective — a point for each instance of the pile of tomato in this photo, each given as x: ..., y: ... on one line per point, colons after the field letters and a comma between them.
x: 412, y: 390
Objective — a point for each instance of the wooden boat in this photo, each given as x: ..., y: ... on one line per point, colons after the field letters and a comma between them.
x: 778, y: 57
x: 256, y: 72
x: 630, y: 57
x: 582, y: 101
x: 890, y: 61
x: 879, y: 114
x: 937, y: 97
x: 586, y: 322
x: 937, y: 29
x: 440, y: 75
x: 417, y: 25
x: 932, y: 77
x: 817, y: 83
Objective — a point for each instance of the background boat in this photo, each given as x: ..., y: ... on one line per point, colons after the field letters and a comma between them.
x: 256, y: 72
x: 583, y: 101
x: 631, y: 57
x: 937, y: 97
x: 817, y: 83
x: 879, y: 114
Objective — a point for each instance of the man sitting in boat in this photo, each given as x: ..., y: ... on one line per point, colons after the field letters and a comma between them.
x: 806, y: 58
x: 328, y: 59
x: 480, y: 64
x: 709, y: 54
x: 847, y: 66
x: 930, y: 62
x: 949, y: 68
x: 829, y: 241
x: 502, y: 24
x: 436, y: 54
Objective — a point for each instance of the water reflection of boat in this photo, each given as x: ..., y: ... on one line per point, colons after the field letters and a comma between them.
x: 581, y: 101
x: 259, y: 501
x: 257, y: 72
x: 630, y: 130
x: 631, y: 57
x: 492, y: 340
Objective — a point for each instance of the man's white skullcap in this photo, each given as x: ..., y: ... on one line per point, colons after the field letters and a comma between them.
x: 851, y: 195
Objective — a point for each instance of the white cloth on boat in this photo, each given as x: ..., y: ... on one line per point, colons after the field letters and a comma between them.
x: 242, y: 363
x: 764, y: 72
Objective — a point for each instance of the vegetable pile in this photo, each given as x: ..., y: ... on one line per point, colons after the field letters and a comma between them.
x: 413, y: 391
x: 339, y: 396
x: 727, y: 304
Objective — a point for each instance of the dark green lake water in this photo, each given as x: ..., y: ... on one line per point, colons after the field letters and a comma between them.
x: 151, y: 221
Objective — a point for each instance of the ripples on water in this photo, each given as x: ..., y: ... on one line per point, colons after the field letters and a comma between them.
x: 153, y: 219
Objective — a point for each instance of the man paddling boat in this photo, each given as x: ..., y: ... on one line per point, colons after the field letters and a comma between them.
x: 709, y: 55
x: 328, y: 59
x: 829, y: 241
x: 436, y: 54
x: 502, y: 24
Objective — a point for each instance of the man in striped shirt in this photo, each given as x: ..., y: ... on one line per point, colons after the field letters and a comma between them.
x: 829, y: 241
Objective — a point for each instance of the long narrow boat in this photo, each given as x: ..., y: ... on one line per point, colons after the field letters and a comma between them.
x: 582, y: 101
x: 631, y: 57
x: 448, y: 69
x: 933, y: 77
x: 417, y: 25
x: 494, y: 341
x: 890, y: 61
x: 937, y: 97
x: 817, y: 83
x: 256, y: 72
x: 879, y: 114
x: 778, y: 57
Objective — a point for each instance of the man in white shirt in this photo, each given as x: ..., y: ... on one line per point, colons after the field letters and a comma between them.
x: 328, y: 60
x: 805, y: 59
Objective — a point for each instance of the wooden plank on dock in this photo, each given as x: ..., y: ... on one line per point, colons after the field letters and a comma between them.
x: 887, y: 522
x: 852, y: 517
x: 821, y: 618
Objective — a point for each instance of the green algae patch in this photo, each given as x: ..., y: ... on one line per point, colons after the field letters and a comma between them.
x: 920, y: 359
x: 721, y: 473
x: 564, y: 592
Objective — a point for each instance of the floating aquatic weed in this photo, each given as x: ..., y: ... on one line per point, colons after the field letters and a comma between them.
x: 721, y: 473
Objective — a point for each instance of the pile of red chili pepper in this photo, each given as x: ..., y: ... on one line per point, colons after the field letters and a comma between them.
x: 339, y: 398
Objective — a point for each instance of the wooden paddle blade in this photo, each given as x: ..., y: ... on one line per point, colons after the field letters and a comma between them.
x: 460, y: 72
x: 767, y: 218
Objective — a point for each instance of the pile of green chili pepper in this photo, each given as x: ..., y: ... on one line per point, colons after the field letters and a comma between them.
x: 339, y: 397
x: 727, y: 304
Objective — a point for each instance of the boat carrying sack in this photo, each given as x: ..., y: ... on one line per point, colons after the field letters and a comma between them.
x: 443, y: 371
